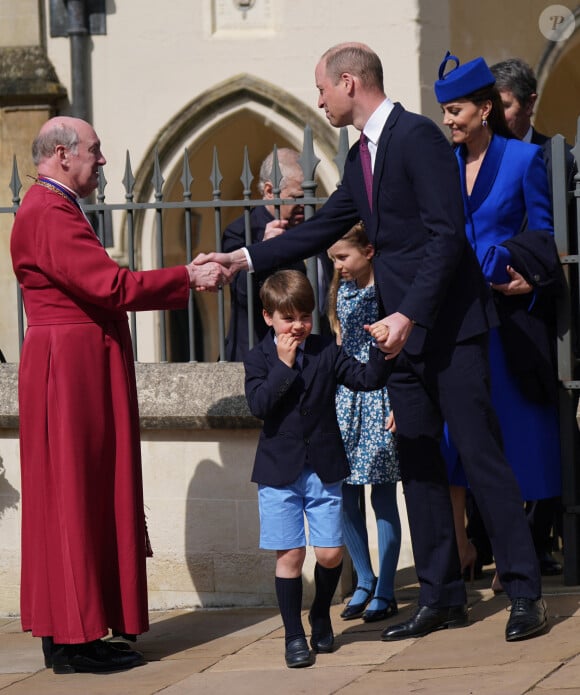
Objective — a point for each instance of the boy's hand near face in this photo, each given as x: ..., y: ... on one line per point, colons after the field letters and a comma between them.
x: 286, y: 347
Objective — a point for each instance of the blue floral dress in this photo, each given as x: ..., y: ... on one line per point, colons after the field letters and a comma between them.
x: 370, y: 448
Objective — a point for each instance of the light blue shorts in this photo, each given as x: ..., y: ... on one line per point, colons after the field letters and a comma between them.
x: 282, y: 511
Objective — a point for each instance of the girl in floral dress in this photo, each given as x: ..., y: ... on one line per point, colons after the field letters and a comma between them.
x: 367, y: 427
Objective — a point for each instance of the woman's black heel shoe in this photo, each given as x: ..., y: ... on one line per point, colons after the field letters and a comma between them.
x: 390, y: 609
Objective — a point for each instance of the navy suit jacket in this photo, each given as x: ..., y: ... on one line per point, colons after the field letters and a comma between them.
x: 298, y: 407
x: 424, y: 266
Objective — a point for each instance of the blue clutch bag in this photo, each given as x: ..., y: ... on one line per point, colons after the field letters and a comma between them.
x: 494, y: 265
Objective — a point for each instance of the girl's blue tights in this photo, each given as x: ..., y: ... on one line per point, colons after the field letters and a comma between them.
x: 384, y: 503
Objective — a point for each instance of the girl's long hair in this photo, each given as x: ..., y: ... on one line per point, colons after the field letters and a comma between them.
x: 356, y: 236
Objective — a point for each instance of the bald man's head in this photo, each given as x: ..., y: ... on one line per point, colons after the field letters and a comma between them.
x: 68, y: 150
x: 57, y: 131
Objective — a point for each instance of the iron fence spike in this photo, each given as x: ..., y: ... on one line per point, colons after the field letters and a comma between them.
x: 216, y: 175
x: 157, y: 179
x: 128, y: 179
x: 186, y: 177
x: 342, y: 153
x: 15, y: 182
x: 246, y: 177
x: 308, y: 159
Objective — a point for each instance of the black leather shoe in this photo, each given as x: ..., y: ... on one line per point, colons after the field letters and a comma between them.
x: 297, y: 653
x: 373, y: 616
x: 355, y: 610
x: 48, y: 648
x: 92, y: 657
x: 549, y: 566
x: 527, y: 618
x: 322, y: 639
x: 124, y: 635
x: 121, y: 646
x: 427, y: 620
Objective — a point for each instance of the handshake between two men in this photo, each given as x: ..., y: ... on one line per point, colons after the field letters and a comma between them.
x: 208, y: 272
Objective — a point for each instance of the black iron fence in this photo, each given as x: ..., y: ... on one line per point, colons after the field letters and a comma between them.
x: 100, y: 214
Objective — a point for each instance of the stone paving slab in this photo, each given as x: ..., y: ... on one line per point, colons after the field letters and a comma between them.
x: 241, y: 651
x: 490, y: 680
x: 19, y: 653
x: 564, y: 680
x: 146, y: 680
x: 289, y: 682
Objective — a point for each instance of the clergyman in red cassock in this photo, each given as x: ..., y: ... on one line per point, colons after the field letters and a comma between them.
x: 83, y: 523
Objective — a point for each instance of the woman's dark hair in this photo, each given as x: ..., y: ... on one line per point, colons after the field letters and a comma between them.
x: 496, y: 120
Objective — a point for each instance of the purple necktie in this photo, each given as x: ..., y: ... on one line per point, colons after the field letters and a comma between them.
x: 365, y: 160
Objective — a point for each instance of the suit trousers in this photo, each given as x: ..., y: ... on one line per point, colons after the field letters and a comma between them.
x: 452, y: 385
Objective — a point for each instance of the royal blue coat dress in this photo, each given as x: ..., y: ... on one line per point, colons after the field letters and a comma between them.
x: 511, y: 192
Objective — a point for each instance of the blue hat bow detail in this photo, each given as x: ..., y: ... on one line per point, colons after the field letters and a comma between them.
x: 444, y: 62
x: 462, y: 80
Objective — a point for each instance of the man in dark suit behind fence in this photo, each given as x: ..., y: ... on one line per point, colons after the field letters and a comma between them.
x: 234, y: 237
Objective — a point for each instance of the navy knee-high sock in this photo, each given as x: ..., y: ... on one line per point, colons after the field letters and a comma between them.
x: 289, y: 594
x: 325, y: 581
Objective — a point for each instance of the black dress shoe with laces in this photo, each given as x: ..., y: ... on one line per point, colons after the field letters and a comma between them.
x: 390, y: 609
x: 527, y: 618
x: 297, y: 653
x: 322, y: 639
x: 92, y: 657
x: 427, y: 620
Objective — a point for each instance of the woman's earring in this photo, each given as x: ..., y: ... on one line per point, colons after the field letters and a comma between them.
x: 484, y: 122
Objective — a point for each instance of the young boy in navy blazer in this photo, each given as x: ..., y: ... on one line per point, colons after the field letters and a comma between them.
x: 291, y: 379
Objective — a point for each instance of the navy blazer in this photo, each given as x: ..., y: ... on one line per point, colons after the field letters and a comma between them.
x: 298, y: 407
x: 424, y: 266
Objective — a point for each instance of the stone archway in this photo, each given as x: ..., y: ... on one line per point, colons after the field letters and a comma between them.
x: 281, y: 110
x: 242, y: 112
x: 558, y: 74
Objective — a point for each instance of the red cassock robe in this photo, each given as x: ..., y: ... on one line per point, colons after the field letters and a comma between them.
x: 83, y: 523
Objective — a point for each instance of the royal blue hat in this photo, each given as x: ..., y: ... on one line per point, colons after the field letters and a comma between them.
x: 462, y: 79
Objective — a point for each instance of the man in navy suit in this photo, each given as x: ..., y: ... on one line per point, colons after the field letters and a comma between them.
x: 437, y: 310
x: 234, y: 237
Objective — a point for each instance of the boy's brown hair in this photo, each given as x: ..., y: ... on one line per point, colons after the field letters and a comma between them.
x: 285, y: 291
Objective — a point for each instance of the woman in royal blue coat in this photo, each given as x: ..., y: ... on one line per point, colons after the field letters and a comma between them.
x: 509, y: 225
